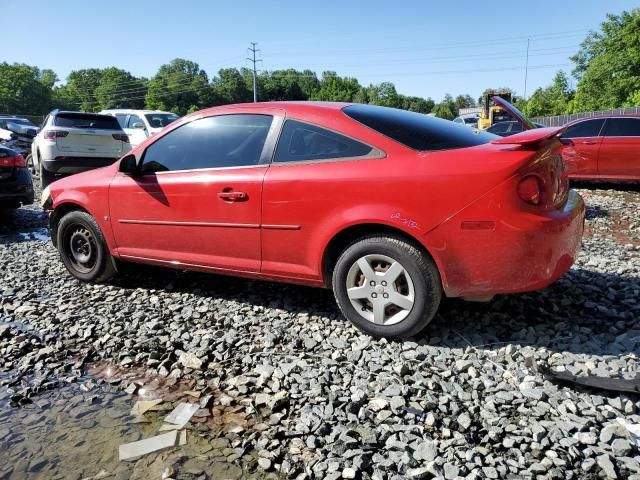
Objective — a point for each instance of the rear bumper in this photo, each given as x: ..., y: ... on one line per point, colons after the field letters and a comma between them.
x: 521, y: 252
x: 18, y: 189
x: 76, y: 164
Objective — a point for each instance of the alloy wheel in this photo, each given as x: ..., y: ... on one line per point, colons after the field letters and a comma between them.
x: 380, y: 289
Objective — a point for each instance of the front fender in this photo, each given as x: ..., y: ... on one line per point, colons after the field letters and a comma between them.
x: 92, y: 200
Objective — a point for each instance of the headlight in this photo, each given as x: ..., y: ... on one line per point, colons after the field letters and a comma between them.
x: 45, y: 198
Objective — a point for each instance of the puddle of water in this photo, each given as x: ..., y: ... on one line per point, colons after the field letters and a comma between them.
x: 69, y: 433
x: 41, y: 234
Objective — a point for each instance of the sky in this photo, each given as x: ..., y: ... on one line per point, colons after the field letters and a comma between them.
x: 426, y: 48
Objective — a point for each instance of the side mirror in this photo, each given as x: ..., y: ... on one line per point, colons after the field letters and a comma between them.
x: 138, y: 125
x: 565, y: 141
x: 129, y: 165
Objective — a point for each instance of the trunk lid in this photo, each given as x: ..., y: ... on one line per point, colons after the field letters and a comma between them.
x: 530, y: 138
x: 89, y: 134
x: 90, y: 142
x: 8, y: 159
x: 516, y: 114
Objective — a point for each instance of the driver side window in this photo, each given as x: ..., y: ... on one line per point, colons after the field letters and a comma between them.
x: 212, y: 142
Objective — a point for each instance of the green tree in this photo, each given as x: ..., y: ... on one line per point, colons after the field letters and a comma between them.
x: 281, y: 85
x: 552, y: 100
x: 334, y: 88
x: 446, y: 109
x: 417, y: 104
x: 79, y: 93
x: 178, y: 86
x: 633, y: 100
x: 119, y: 89
x: 384, y: 94
x: 24, y: 89
x: 232, y: 86
x: 464, y: 101
x: 608, y: 64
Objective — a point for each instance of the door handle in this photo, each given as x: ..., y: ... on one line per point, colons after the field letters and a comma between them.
x: 232, y: 196
x: 588, y: 142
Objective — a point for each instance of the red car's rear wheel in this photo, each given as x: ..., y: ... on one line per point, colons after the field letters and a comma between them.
x: 386, y: 287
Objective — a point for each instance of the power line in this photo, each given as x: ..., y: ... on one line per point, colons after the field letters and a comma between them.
x: 441, y: 46
x: 425, y: 60
x: 526, y: 71
x: 253, y: 59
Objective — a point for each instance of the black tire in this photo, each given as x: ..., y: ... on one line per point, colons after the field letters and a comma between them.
x: 418, y: 270
x: 79, y: 237
x: 46, y: 177
x: 30, y: 164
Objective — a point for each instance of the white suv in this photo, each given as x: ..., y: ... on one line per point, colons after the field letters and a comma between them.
x: 72, y: 142
x: 140, y: 124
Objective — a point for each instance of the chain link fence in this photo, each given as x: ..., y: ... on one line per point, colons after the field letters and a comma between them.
x: 559, y: 120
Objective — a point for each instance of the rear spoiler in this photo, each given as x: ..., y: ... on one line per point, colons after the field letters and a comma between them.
x: 530, y: 138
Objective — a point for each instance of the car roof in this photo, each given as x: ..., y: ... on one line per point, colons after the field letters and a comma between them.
x: 62, y: 112
x: 597, y: 117
x: 289, y: 106
x: 133, y: 110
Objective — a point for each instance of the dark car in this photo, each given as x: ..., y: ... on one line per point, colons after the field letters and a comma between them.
x: 16, y: 187
x: 505, y: 129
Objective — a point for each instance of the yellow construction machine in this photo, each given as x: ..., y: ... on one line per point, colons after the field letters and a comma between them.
x: 492, y: 113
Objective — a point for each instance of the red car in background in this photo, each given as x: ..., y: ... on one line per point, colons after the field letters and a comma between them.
x: 603, y: 148
x: 391, y: 209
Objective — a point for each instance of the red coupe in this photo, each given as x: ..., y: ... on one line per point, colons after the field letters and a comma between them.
x: 603, y: 148
x: 391, y: 209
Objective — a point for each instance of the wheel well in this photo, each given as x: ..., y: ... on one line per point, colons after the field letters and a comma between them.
x: 59, y: 212
x: 347, y: 236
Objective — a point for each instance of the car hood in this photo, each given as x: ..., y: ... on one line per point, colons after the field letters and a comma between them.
x: 516, y: 114
x: 25, y: 130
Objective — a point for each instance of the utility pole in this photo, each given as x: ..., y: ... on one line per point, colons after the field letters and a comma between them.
x: 526, y: 71
x: 253, y: 50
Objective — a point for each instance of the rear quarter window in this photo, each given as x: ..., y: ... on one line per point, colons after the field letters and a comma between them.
x: 86, y: 120
x: 415, y: 130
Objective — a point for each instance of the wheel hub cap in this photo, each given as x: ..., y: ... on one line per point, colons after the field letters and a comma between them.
x: 81, y: 249
x: 380, y: 289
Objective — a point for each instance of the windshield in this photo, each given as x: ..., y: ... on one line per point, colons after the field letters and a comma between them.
x: 159, y: 120
x: 87, y: 120
x: 416, y: 130
x: 470, y: 120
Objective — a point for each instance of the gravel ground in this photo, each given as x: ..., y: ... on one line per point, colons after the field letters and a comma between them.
x: 299, y: 393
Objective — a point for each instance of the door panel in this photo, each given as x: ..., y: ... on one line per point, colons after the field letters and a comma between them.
x: 620, y: 156
x: 196, y: 198
x: 620, y: 150
x: 180, y: 217
x: 581, y: 156
x: 582, y: 146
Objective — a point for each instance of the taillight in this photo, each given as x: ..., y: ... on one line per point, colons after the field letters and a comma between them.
x: 123, y: 137
x: 17, y: 161
x: 53, y: 134
x: 530, y: 190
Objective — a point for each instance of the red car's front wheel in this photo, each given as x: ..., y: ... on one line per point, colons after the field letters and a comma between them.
x: 83, y: 249
x: 386, y: 287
